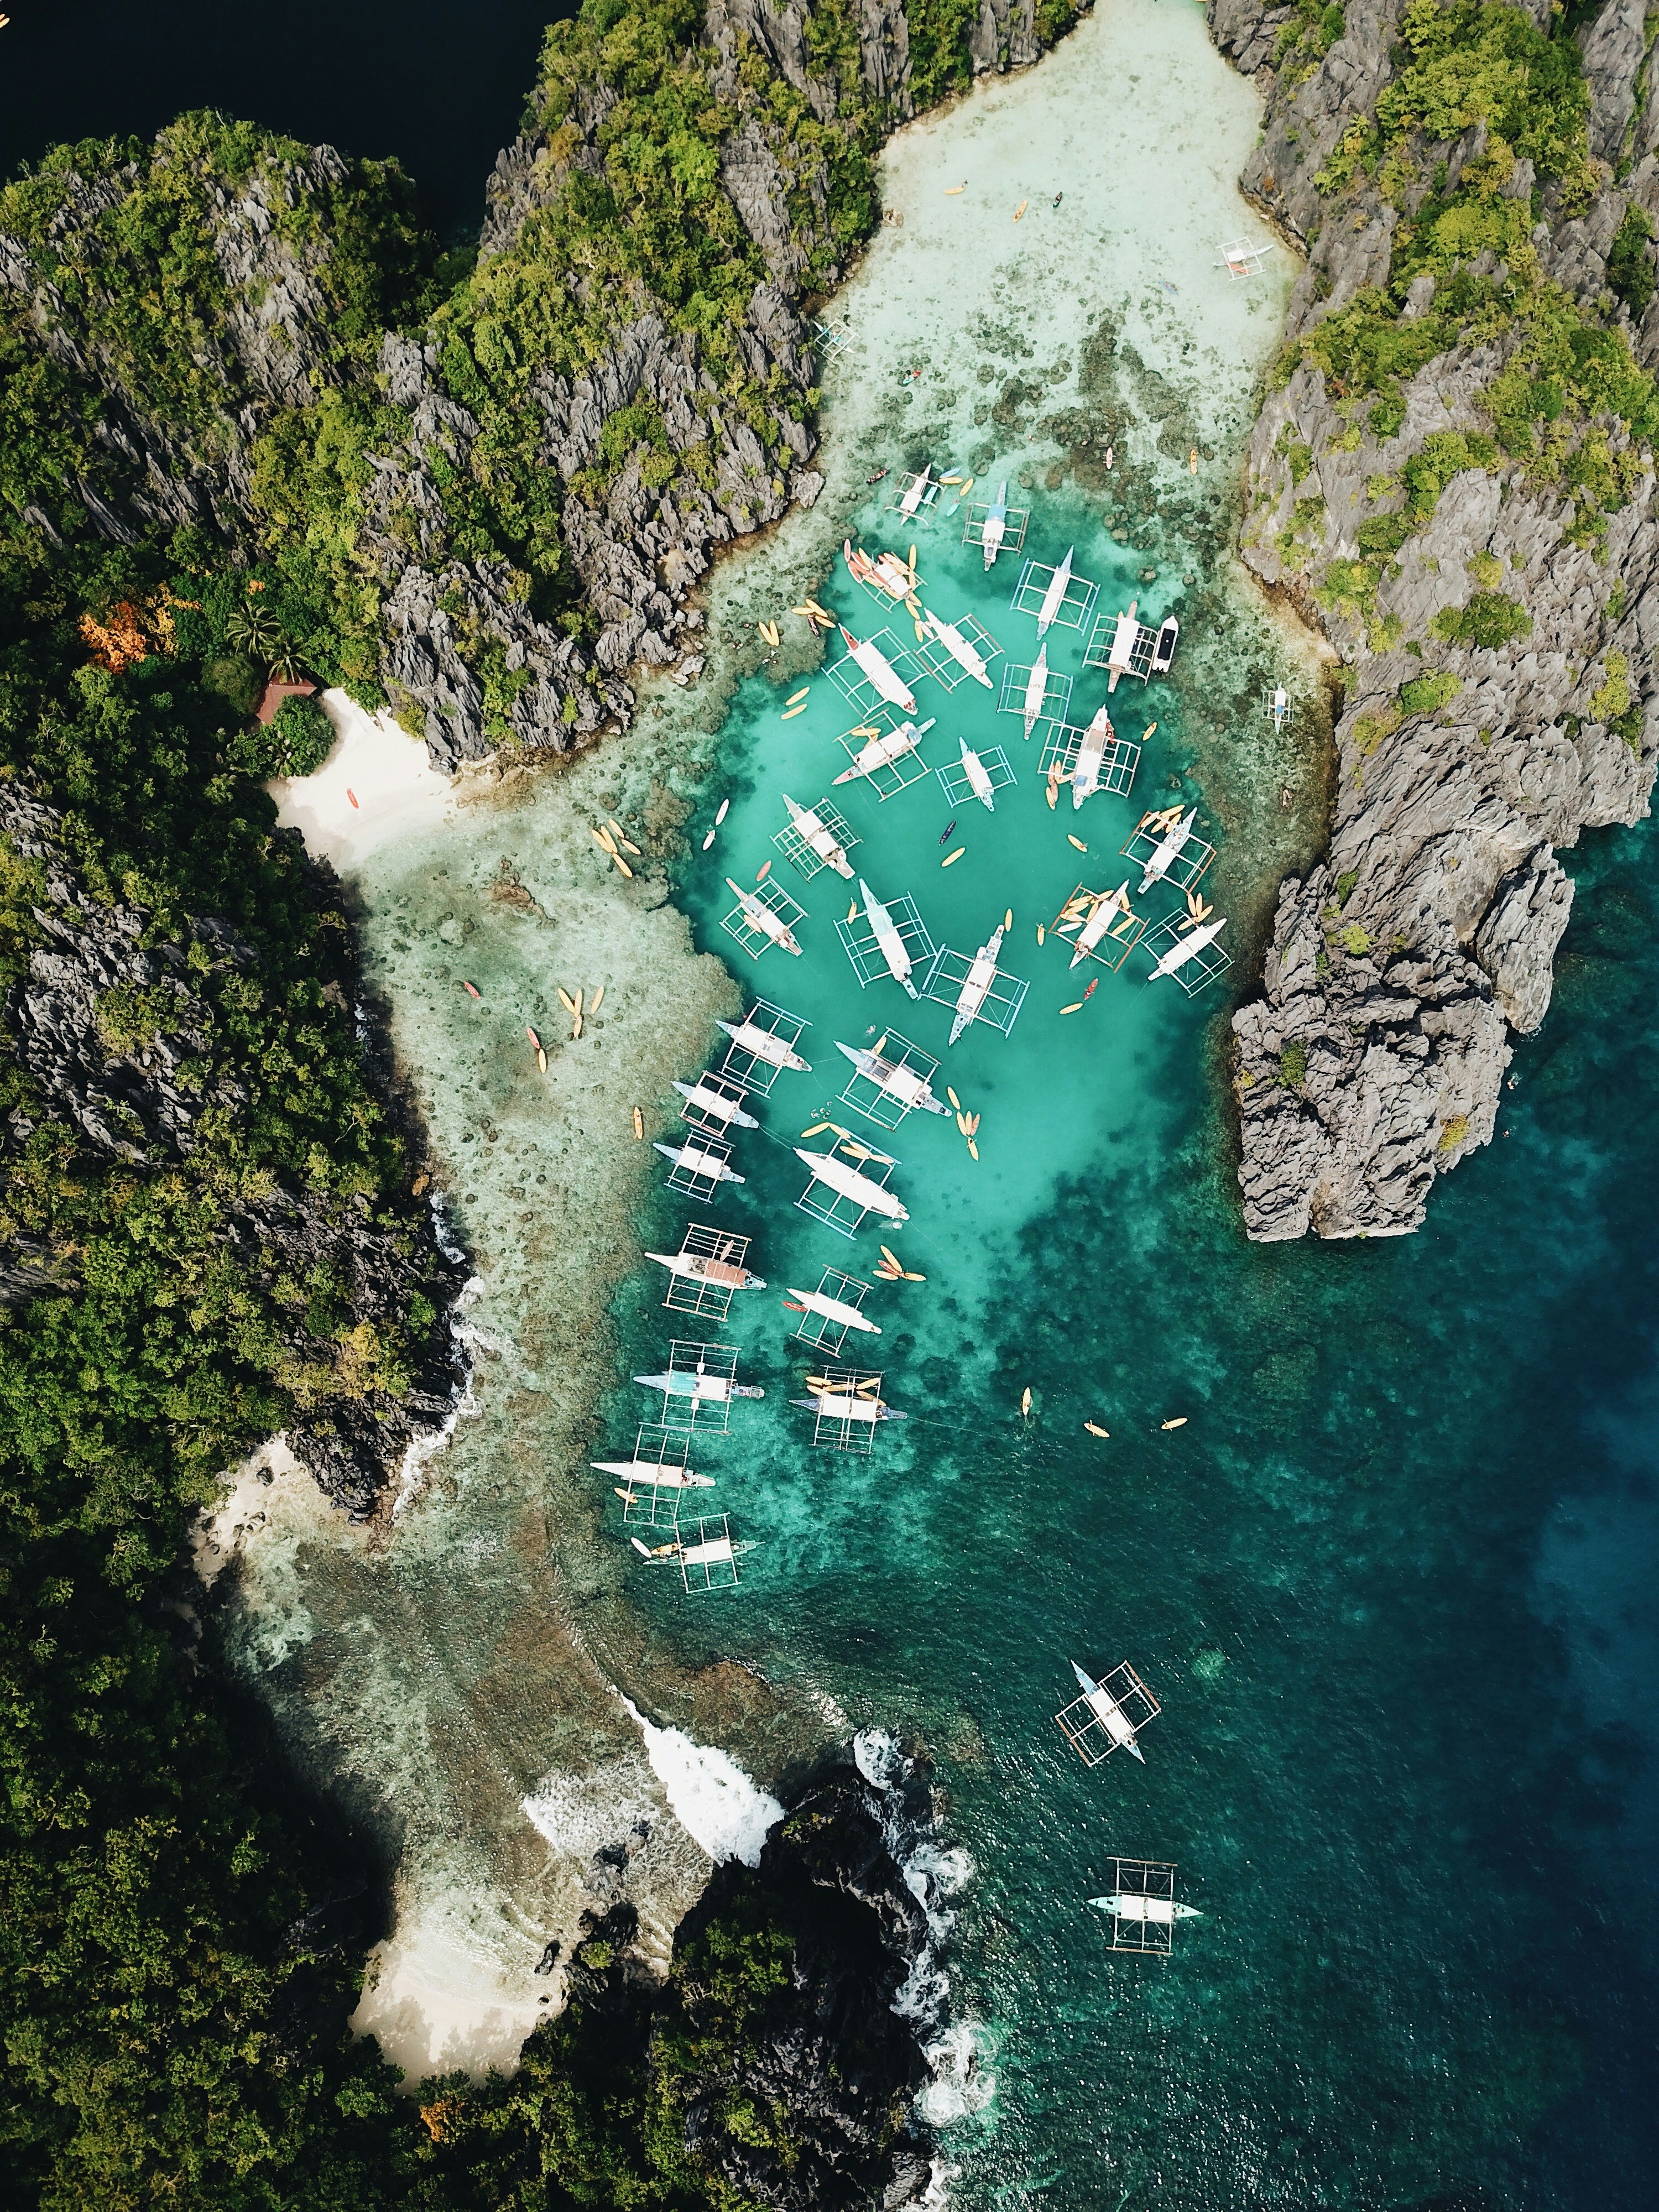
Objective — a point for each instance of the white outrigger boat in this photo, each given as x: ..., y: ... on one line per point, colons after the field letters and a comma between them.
x: 882, y: 751
x: 966, y: 655
x: 1151, y: 1911
x: 1037, y: 689
x: 977, y: 983
x: 847, y: 1405
x: 885, y: 571
x: 835, y: 1309
x: 765, y: 1044
x: 1054, y: 598
x: 859, y: 1190
x: 888, y: 683
x: 653, y: 1474
x: 716, y: 1105
x: 915, y: 492
x: 705, y: 1268
x: 889, y: 943
x: 1184, y: 948
x: 1167, y: 851
x: 1281, y: 710
x: 1090, y: 755
x: 979, y: 779
x: 703, y: 1389
x: 899, y: 1082
x: 1111, y: 1716
x: 697, y: 1160
x: 996, y: 523
x: 1103, y: 915
x: 760, y: 916
x: 815, y: 832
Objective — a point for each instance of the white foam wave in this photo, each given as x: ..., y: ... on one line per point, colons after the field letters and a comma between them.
x: 714, y: 1800
x: 578, y: 1815
x: 935, y: 1873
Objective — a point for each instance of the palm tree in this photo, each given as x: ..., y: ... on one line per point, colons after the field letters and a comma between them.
x: 253, y: 630
x: 286, y: 665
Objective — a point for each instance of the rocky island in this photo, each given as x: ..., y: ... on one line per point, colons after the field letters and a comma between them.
x: 1455, y: 480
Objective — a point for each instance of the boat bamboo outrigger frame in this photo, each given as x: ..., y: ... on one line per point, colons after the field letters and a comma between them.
x: 815, y: 837
x: 1242, y: 257
x: 715, y: 1104
x: 654, y: 1484
x: 952, y: 651
x: 1168, y: 852
x: 762, y: 918
x: 1123, y: 644
x: 764, y: 1046
x: 1280, y: 708
x: 874, y: 671
x: 818, y: 1322
x: 699, y: 1387
x: 1141, y: 1907
x: 699, y: 1165
x: 1108, y: 1715
x: 886, y: 577
x: 976, y: 774
x: 831, y: 336
x: 997, y: 1003
x: 890, y: 1078
x: 885, y: 936
x: 1186, y: 951
x: 704, y: 1550
x: 707, y: 1272
x: 1019, y: 688
x: 1057, y: 763
x: 1098, y: 925
x: 1015, y: 522
x: 915, y: 496
x: 1059, y: 599
x: 885, y: 751
x: 848, y: 1407
x: 850, y: 1183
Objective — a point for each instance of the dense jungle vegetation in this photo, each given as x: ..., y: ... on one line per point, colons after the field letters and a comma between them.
x: 1565, y: 371
x: 185, y: 511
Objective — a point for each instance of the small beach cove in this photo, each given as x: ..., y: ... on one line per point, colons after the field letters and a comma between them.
x: 1347, y: 1519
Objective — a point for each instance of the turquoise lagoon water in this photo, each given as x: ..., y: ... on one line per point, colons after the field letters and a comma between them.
x: 1388, y: 1581
x: 1391, y: 1581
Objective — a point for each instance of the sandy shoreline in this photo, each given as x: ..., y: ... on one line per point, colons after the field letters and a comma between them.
x: 376, y: 787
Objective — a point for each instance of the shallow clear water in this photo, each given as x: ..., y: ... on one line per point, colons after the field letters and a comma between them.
x: 1391, y: 1581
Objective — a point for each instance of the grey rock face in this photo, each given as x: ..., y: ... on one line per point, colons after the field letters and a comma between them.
x: 1374, y: 1058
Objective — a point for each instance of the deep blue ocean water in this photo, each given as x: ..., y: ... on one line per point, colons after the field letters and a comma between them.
x: 438, y: 83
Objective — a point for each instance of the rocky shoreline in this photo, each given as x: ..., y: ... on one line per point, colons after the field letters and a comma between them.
x: 1374, y: 1058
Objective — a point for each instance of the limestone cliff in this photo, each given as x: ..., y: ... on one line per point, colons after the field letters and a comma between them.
x: 1454, y: 478
x: 496, y: 503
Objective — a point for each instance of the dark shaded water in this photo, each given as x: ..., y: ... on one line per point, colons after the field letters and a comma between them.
x: 438, y: 83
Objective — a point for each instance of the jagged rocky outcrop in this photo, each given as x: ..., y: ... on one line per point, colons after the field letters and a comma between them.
x: 462, y: 652
x: 832, y: 2051
x: 1374, y: 1057
x: 117, y: 1041
x: 777, y: 2061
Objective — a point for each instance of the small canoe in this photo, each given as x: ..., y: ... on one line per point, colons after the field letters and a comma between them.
x: 951, y: 859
